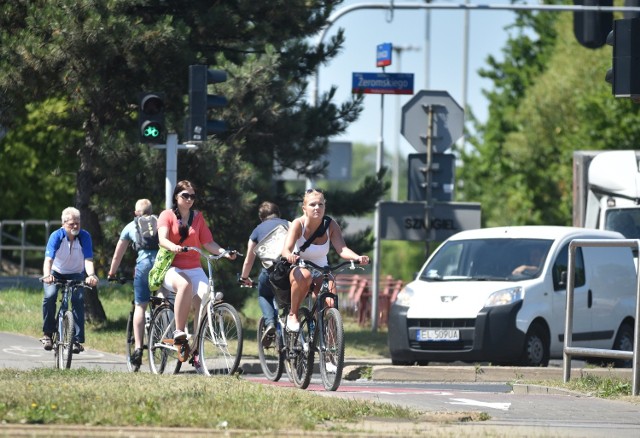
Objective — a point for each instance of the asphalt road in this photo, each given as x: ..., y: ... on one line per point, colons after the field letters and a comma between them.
x: 441, y: 392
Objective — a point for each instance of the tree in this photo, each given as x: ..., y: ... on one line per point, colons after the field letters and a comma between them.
x: 100, y: 54
x: 555, y: 101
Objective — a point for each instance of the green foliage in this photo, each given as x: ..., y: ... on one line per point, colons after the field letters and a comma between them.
x: 100, y: 55
x: 37, y: 169
x: 550, y: 99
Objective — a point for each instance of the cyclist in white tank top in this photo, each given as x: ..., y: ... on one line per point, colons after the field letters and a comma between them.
x: 313, y: 206
x: 316, y: 253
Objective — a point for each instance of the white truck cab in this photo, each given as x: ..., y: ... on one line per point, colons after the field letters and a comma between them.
x: 499, y: 295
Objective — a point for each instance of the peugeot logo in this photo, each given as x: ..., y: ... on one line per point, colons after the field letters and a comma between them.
x: 447, y: 298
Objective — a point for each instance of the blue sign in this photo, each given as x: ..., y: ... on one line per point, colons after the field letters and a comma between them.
x: 382, y: 83
x: 383, y: 54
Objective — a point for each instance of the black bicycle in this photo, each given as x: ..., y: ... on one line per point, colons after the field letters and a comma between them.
x: 321, y: 330
x: 62, y: 339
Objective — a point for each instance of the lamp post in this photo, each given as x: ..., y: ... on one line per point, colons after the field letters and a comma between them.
x: 396, y: 155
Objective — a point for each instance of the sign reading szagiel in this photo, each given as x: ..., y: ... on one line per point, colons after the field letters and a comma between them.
x: 406, y: 220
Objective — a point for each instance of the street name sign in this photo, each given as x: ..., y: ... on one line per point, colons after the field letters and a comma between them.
x: 382, y: 83
x: 383, y: 55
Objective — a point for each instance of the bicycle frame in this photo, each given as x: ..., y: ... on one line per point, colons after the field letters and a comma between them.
x: 210, y: 329
x: 62, y: 340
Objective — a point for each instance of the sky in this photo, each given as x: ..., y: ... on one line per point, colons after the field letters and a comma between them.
x: 366, y: 29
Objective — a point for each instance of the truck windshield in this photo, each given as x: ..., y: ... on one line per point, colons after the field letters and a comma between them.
x: 624, y: 221
x: 488, y: 259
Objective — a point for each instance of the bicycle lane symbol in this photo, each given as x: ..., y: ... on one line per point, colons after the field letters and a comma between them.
x: 19, y: 350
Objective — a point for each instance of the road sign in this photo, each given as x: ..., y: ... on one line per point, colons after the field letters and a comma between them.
x: 442, y: 177
x: 383, y: 54
x: 405, y: 220
x: 448, y: 120
x: 382, y: 83
x: 339, y: 158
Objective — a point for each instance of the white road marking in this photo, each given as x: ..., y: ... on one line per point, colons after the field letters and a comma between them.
x: 469, y: 402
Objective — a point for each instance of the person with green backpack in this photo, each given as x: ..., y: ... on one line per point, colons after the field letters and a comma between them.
x: 178, y: 227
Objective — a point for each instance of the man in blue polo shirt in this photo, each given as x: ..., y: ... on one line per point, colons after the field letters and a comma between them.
x: 68, y: 256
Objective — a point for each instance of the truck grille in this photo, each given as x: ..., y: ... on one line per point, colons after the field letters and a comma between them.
x: 442, y: 323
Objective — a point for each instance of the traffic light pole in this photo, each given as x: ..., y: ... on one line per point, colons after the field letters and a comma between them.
x: 171, y: 174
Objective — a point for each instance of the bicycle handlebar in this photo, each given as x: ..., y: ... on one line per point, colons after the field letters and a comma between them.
x: 60, y: 282
x: 121, y: 280
x: 327, y: 269
x: 211, y: 256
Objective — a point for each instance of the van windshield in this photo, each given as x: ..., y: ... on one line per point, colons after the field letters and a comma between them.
x: 488, y: 259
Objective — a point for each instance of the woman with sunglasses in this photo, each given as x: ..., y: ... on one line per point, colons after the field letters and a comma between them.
x: 301, y: 229
x: 178, y: 227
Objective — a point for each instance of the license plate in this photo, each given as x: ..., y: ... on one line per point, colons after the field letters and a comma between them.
x: 438, y: 335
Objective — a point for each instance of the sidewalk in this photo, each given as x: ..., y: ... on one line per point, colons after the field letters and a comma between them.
x: 382, y: 370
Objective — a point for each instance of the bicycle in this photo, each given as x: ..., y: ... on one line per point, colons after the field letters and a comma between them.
x: 216, y: 348
x: 130, y: 343
x: 62, y: 339
x: 272, y: 356
x: 321, y: 330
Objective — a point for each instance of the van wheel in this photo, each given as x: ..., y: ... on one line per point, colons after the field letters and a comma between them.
x: 623, y: 342
x: 536, y: 347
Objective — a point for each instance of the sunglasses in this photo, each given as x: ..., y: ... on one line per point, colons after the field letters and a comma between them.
x: 188, y: 196
x: 314, y: 190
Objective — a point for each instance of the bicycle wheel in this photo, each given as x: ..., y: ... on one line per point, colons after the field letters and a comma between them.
x: 130, y: 345
x: 331, y: 355
x: 163, y: 358
x: 300, y: 359
x: 55, y: 341
x: 65, y: 346
x: 271, y: 357
x: 220, y: 340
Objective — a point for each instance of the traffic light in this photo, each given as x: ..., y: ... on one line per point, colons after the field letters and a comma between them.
x: 624, y: 74
x: 151, y: 118
x: 591, y: 27
x: 198, y: 124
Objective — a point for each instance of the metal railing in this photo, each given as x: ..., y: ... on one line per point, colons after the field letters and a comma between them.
x: 568, y: 350
x: 13, y: 237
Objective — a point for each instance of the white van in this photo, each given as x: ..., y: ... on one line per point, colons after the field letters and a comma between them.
x: 480, y: 298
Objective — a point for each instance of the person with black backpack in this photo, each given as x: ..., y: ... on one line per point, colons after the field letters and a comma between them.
x: 142, y: 234
x: 309, y: 238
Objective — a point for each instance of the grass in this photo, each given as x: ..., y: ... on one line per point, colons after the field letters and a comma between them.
x: 22, y: 313
x: 100, y: 398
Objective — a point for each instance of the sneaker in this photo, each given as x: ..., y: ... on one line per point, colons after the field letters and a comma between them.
x: 77, y: 348
x: 331, y: 368
x: 179, y: 335
x: 47, y: 342
x: 136, y: 357
x: 268, y: 335
x: 293, y: 326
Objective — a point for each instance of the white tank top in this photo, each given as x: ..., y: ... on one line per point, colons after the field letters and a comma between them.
x: 314, y: 253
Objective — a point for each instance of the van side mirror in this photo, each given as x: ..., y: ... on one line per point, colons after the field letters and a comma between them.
x: 563, y: 278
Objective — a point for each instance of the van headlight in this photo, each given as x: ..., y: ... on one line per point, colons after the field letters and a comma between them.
x: 505, y: 296
x: 404, y: 297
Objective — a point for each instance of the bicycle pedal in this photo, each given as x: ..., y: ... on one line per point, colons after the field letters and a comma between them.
x: 183, y: 353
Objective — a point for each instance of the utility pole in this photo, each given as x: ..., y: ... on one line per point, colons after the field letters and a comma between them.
x: 396, y: 155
